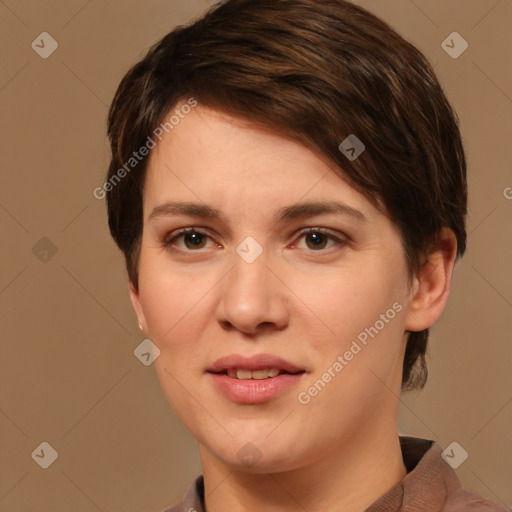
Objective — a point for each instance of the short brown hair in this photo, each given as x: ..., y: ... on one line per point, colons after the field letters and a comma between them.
x: 314, y: 71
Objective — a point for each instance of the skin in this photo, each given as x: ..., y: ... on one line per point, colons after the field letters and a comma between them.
x: 297, y: 301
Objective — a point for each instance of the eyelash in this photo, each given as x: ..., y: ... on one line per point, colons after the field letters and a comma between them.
x: 168, y: 241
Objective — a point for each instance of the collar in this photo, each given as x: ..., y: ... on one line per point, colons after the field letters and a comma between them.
x: 431, y: 485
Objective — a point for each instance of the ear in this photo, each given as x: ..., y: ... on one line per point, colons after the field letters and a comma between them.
x: 431, y: 286
x: 135, y: 299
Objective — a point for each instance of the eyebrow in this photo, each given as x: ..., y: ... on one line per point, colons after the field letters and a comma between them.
x: 294, y: 211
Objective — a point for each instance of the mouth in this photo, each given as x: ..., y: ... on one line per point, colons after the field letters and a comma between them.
x: 244, y: 374
x: 258, y: 366
x: 253, y: 380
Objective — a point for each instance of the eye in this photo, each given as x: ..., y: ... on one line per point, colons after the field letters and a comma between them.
x: 317, y: 238
x: 193, y: 239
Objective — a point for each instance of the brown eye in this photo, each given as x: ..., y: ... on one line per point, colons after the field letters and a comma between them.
x: 317, y: 239
x: 193, y: 239
x: 197, y: 240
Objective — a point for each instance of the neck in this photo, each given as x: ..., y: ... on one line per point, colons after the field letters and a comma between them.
x: 348, y: 477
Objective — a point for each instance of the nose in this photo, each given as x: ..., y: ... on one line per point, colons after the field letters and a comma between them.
x: 253, y: 298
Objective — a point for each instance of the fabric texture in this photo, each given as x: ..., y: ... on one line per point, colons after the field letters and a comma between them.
x: 431, y: 485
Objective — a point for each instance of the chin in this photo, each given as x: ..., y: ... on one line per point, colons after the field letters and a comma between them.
x: 261, y: 453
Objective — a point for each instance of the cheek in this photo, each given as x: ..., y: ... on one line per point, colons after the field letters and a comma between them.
x: 174, y: 307
x: 345, y: 301
x: 358, y: 314
x: 167, y: 297
x: 171, y: 305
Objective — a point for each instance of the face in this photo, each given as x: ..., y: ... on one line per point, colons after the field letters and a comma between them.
x: 260, y: 282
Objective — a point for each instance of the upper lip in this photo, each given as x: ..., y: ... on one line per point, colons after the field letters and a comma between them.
x: 253, y: 363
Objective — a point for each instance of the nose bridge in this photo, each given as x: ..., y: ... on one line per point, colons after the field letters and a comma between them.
x: 251, y: 261
x: 249, y: 283
x: 251, y: 294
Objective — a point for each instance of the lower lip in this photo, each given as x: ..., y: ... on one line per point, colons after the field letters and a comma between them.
x: 253, y: 391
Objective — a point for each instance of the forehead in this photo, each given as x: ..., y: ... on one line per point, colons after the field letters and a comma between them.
x: 220, y: 160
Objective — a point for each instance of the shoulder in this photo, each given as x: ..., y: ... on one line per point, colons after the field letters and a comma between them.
x: 432, y: 479
x: 466, y: 501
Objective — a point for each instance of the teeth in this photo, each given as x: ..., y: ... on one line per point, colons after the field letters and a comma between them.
x: 243, y: 374
x: 256, y: 374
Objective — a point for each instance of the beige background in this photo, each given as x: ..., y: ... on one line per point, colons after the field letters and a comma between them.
x: 67, y: 371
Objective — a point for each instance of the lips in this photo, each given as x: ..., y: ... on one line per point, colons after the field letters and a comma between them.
x: 254, y: 380
x: 259, y: 362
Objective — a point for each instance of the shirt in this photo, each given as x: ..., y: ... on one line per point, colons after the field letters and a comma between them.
x: 431, y: 485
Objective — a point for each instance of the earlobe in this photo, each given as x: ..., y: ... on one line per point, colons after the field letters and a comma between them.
x: 137, y: 307
x: 431, y: 288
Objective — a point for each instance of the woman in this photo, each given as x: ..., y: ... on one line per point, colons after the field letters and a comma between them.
x: 288, y: 187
